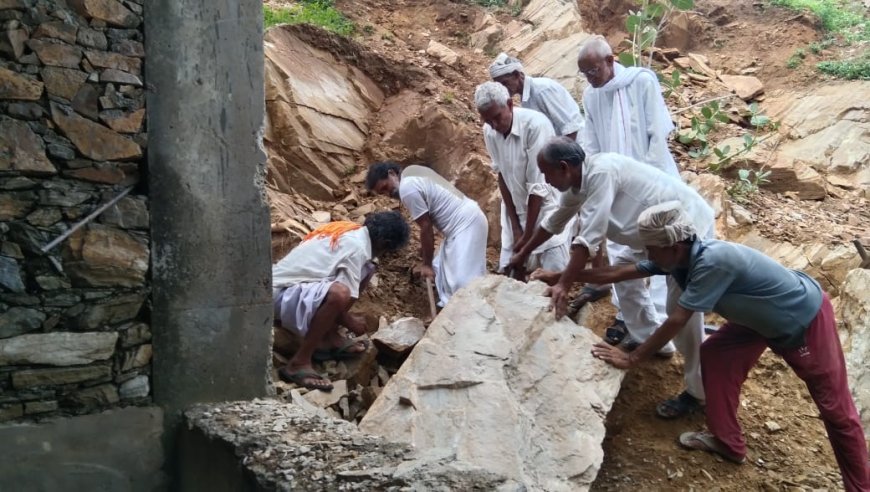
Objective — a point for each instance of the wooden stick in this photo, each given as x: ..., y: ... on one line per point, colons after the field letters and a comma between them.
x: 865, y: 258
x: 431, y: 297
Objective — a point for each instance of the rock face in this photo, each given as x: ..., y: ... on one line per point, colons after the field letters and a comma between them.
x: 317, y: 115
x: 827, y: 131
x: 480, y: 387
x: 855, y: 315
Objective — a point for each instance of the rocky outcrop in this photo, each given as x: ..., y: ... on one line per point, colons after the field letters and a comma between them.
x: 318, y: 108
x: 855, y: 315
x: 827, y: 129
x: 479, y: 388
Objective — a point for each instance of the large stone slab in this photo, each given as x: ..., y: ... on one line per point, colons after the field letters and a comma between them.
x: 15, y: 86
x: 498, y: 384
x: 114, y: 450
x: 92, y: 139
x: 855, y: 314
x: 58, y: 349
x: 102, y: 256
x: 112, y: 12
x: 65, y: 375
x: 21, y: 149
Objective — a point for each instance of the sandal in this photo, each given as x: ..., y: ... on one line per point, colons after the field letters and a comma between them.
x: 587, y: 294
x: 679, y: 406
x: 615, y: 333
x: 706, y: 441
x: 341, y: 353
x: 304, y: 377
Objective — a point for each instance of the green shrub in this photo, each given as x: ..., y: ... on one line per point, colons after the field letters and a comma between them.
x: 855, y: 69
x: 320, y: 13
x: 846, y: 17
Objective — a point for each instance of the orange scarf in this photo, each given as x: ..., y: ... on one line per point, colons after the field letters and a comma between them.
x: 333, y: 230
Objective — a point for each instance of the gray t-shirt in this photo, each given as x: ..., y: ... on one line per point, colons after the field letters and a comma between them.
x: 748, y: 288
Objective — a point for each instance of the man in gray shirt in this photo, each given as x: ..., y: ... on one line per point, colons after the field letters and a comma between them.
x: 765, y: 305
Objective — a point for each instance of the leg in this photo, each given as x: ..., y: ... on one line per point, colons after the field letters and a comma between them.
x: 688, y: 342
x: 821, y: 365
x: 614, y: 251
x: 726, y: 358
x: 638, y: 311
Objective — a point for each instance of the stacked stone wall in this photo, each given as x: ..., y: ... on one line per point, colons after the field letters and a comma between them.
x: 74, y: 332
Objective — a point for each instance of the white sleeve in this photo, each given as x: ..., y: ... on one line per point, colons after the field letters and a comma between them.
x: 537, y: 138
x: 350, y: 272
x: 589, y: 142
x: 569, y: 206
x: 595, y: 212
x: 487, y: 140
x: 413, y: 200
x: 562, y: 111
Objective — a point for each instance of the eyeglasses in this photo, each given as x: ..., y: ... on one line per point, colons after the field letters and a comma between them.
x: 588, y: 73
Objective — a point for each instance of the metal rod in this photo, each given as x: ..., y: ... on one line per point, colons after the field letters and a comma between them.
x: 87, y: 219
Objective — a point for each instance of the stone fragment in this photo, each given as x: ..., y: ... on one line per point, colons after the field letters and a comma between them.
x: 62, y: 197
x: 137, y: 387
x: 128, y: 47
x: 14, y: 411
x: 32, y: 407
x: 61, y: 152
x: 25, y: 110
x: 442, y: 52
x: 10, y: 275
x: 93, y: 398
x: 140, y: 357
x: 854, y: 312
x: 401, y: 335
x: 19, y: 320
x: 112, y: 12
x: 323, y: 399
x: 57, y: 30
x: 746, y: 87
x: 119, y: 77
x: 15, y: 86
x: 63, y: 82
x: 11, y: 250
x: 29, y: 378
x: 44, y: 217
x: 14, y: 4
x: 93, y: 140
x: 56, y: 54
x: 100, y: 256
x: 58, y: 348
x: 61, y: 299
x: 51, y: 282
x: 15, y: 205
x: 128, y: 213
x: 134, y: 334
x: 482, y: 383
x: 123, y: 122
x: 92, y: 38
x: 112, y: 311
x: 772, y: 426
x: 100, y: 172
x: 86, y: 101
x: 12, y: 43
x: 106, y: 59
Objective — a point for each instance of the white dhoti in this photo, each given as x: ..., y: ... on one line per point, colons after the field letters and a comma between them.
x: 553, y: 255
x: 296, y: 304
x: 462, y: 255
x: 658, y: 288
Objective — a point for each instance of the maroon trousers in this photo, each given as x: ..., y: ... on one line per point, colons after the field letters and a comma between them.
x: 729, y: 354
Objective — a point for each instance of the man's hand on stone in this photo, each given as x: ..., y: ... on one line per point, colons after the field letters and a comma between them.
x: 558, y: 295
x: 546, y: 276
x: 424, y: 271
x: 517, y: 264
x: 613, y: 355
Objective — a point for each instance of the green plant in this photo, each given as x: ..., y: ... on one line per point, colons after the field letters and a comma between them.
x: 320, y: 13
x: 644, y: 25
x: 517, y: 9
x: 758, y: 122
x: 448, y: 97
x: 368, y: 29
x: 701, y: 126
x: 747, y: 183
x: 844, y: 17
x: 491, y: 3
x: 855, y: 69
x: 796, y: 59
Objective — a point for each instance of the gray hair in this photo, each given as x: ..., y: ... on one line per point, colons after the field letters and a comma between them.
x: 562, y: 149
x: 489, y: 93
x: 595, y: 45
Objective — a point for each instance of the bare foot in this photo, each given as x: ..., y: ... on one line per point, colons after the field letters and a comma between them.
x: 305, y: 376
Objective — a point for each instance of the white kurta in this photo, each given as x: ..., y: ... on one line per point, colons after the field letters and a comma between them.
x: 549, y: 97
x: 645, y: 136
x: 515, y: 158
x: 614, y: 190
x: 461, y: 257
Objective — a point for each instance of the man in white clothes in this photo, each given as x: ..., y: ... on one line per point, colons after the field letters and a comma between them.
x: 540, y: 94
x: 434, y: 203
x: 608, y: 192
x: 626, y: 114
x: 513, y: 137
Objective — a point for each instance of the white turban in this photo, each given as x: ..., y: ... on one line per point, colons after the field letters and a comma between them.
x: 664, y: 225
x: 504, y: 65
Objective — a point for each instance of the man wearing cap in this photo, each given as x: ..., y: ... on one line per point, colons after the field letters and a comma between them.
x: 766, y: 306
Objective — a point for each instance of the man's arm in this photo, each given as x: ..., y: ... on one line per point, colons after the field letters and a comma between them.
x: 624, y: 360
x: 427, y: 245
x: 533, y: 209
x: 513, y: 218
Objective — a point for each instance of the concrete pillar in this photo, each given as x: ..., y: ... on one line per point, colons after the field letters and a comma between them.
x: 211, y: 265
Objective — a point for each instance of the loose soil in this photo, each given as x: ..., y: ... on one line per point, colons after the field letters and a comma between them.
x: 640, y: 449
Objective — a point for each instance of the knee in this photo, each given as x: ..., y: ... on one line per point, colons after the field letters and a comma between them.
x: 338, y: 296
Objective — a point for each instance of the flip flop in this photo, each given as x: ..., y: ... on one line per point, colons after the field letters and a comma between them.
x: 587, y: 294
x: 679, y: 406
x: 705, y: 441
x: 616, y: 332
x: 340, y: 353
x: 301, y: 376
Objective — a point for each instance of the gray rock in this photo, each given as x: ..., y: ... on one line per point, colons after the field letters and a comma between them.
x: 134, y: 334
x: 86, y: 101
x: 51, y: 282
x: 26, y: 110
x: 63, y: 198
x: 20, y: 299
x: 44, y: 217
x: 61, y: 299
x: 137, y: 387
x: 102, y: 256
x: 12, y: 42
x: 10, y: 412
x: 854, y: 311
x: 60, y: 152
x: 92, y: 38
x: 66, y: 375
x: 58, y: 29
x: 93, y: 398
x: 140, y: 357
x: 21, y: 150
x: 115, y: 310
x: 57, y: 349
x: 11, y: 250
x: 128, y: 47
x: 19, y: 320
x: 121, y: 34
x: 119, y: 77
x: 28, y: 237
x: 32, y: 407
x: 10, y: 275
x: 15, y: 204
x: 496, y: 357
x: 128, y: 213
x: 17, y: 183
x: 401, y: 335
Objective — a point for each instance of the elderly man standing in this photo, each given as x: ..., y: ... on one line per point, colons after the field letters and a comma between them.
x: 315, y: 285
x: 626, y: 114
x: 766, y: 306
x: 608, y: 192
x: 539, y: 94
x: 434, y: 203
x: 513, y: 138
